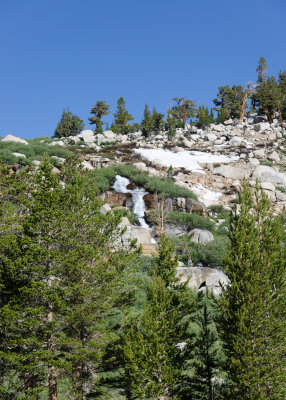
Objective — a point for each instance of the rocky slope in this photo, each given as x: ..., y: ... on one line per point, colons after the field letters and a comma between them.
x: 211, y: 162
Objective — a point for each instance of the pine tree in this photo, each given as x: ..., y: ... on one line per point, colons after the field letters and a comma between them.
x: 203, y: 353
x: 151, y: 342
x: 60, y: 279
x: 252, y: 306
x: 149, y: 346
x: 69, y: 125
x: 261, y: 70
x: 147, y: 123
x: 204, y: 117
x: 282, y: 103
x: 122, y: 117
x: 269, y: 96
x: 184, y: 109
x: 157, y: 121
x: 229, y: 101
x: 100, y: 109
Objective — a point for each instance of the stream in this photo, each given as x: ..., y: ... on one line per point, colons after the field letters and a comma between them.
x: 139, y: 207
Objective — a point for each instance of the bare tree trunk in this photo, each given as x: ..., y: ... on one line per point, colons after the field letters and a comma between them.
x: 244, y: 103
x: 270, y: 116
x: 185, y: 115
x: 52, y: 373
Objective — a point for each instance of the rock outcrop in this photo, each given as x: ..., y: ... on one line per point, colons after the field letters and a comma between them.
x: 202, y: 277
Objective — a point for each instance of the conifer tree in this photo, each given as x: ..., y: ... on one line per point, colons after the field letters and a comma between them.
x: 205, y: 117
x: 122, y: 117
x: 147, y: 123
x: 261, y: 70
x: 69, y: 125
x: 100, y: 109
x: 59, y: 278
x: 203, y: 353
x: 151, y: 343
x: 184, y: 109
x: 282, y: 86
x: 157, y: 121
x: 229, y: 101
x: 269, y: 96
x: 252, y: 306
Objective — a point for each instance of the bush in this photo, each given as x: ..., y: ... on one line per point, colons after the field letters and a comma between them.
x: 164, y: 187
x: 33, y: 151
x: 192, y: 220
x: 211, y: 254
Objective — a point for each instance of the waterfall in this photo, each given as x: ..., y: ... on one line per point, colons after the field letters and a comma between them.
x: 120, y: 185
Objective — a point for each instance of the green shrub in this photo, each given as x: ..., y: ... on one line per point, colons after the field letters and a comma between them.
x: 33, y: 151
x: 164, y: 187
x: 211, y: 254
x: 192, y: 220
x: 266, y: 162
x: 7, y: 157
x: 126, y: 213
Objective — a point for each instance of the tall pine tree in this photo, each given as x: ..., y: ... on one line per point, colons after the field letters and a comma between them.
x: 253, y: 305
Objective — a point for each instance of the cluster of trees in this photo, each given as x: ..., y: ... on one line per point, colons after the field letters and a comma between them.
x: 267, y: 95
x: 83, y: 318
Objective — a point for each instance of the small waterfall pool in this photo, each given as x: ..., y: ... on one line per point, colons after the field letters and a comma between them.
x: 139, y: 207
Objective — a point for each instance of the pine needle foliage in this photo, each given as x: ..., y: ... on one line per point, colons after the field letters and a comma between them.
x: 253, y: 305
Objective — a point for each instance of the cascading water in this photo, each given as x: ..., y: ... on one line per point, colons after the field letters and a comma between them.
x: 120, y: 185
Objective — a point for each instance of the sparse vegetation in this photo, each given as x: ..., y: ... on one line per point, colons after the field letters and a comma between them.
x: 33, y: 151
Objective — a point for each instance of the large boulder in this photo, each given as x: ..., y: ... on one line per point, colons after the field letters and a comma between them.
x: 87, y: 136
x: 201, y: 236
x: 121, y: 199
x: 11, y: 138
x: 110, y: 136
x: 232, y: 172
x: 201, y: 277
x: 142, y: 235
x: 265, y: 173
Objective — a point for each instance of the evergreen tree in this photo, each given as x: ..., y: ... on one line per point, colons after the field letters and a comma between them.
x: 184, y: 109
x: 149, y: 346
x: 157, y: 121
x: 229, y: 101
x: 203, y: 354
x: 147, y: 123
x: 151, y: 343
x: 171, y: 123
x: 261, y: 70
x: 100, y: 109
x: 282, y: 86
x: 69, y: 125
x: 60, y: 278
x: 205, y: 117
x: 269, y: 96
x: 122, y: 117
x: 252, y: 306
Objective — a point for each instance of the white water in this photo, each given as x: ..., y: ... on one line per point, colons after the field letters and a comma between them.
x: 120, y: 185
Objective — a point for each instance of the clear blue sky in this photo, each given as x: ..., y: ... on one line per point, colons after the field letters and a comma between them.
x: 69, y: 53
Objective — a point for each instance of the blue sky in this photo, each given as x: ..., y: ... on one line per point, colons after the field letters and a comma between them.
x: 66, y: 53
